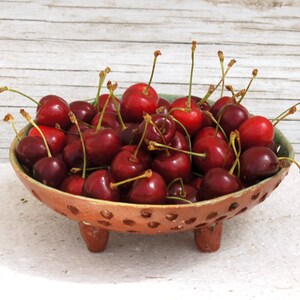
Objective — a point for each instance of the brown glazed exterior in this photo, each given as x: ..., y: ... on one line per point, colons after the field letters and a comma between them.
x: 97, y: 217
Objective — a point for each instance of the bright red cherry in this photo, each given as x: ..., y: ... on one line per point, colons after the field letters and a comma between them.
x: 55, y: 138
x: 256, y: 131
x: 139, y: 98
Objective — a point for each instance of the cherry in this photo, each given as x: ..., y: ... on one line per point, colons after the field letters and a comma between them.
x: 218, y: 182
x: 111, y: 107
x: 149, y: 190
x: 209, y: 131
x: 50, y: 110
x: 130, y: 135
x: 185, y: 109
x: 180, y: 193
x: 83, y: 110
x: 140, y: 98
x: 129, y: 162
x: 30, y: 149
x: 219, y: 104
x: 258, y: 163
x: 55, y: 138
x: 72, y: 132
x: 232, y: 116
x: 218, y: 154
x: 73, y: 184
x: 73, y: 155
x: 97, y: 185
x: 163, y: 106
x: 256, y: 131
x: 180, y: 141
x: 110, y: 119
x: 173, y: 165
x: 160, y: 128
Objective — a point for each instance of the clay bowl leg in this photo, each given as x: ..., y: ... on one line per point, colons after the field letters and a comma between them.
x: 95, y: 238
x: 208, y: 239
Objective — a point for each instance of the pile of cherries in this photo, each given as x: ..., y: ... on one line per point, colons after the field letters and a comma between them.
x: 143, y: 149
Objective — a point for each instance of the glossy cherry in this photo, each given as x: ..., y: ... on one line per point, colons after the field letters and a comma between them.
x: 97, y: 185
x: 111, y: 107
x: 139, y: 98
x: 150, y: 190
x: 110, y: 119
x: 258, y: 163
x: 218, y: 154
x: 83, y: 110
x: 218, y: 182
x: 177, y: 193
x: 256, y: 131
x: 55, y: 138
x: 30, y: 149
x: 179, y: 141
x: 209, y: 131
x: 73, y: 184
x: 219, y: 104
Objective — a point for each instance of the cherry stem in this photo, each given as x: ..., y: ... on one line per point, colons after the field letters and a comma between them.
x: 182, y: 192
x: 102, y: 76
x: 180, y: 199
x: 218, y: 126
x: 5, y: 88
x: 76, y: 170
x: 146, y: 174
x: 254, y: 74
x: 235, y: 136
x: 111, y: 87
x: 286, y: 113
x: 156, y: 54
x: 221, y: 59
x: 10, y: 118
x: 147, y: 119
x: 290, y: 160
x: 29, y: 119
x: 194, y: 44
x: 74, y: 121
x: 230, y: 88
x: 211, y: 89
x: 230, y: 64
x: 154, y: 145
x: 118, y: 111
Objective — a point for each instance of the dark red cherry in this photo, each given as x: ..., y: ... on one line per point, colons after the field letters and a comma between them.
x: 135, y: 102
x: 53, y: 110
x: 186, y: 191
x: 130, y: 135
x: 218, y: 182
x: 179, y: 141
x: 55, y: 138
x: 127, y: 165
x: 258, y: 163
x: 173, y: 165
x: 73, y: 184
x: 164, y: 105
x: 72, y: 132
x: 218, y: 154
x: 162, y: 131
x: 101, y: 145
x: 232, y: 116
x: 97, y: 185
x: 110, y: 119
x: 152, y: 190
x: 50, y: 171
x: 219, y: 104
x: 30, y: 149
x: 256, y: 131
x: 83, y: 110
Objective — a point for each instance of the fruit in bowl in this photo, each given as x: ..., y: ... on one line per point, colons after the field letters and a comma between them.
x: 141, y: 165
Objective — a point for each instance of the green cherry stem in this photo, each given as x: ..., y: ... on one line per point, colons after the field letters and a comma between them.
x: 291, y: 110
x: 254, y: 74
x: 180, y: 199
x: 194, y: 44
x: 156, y: 146
x: 218, y: 126
x: 146, y: 174
x: 5, y: 88
x: 10, y: 118
x: 156, y: 54
x: 102, y: 76
x: 235, y: 137
x: 29, y: 119
x: 221, y: 59
x: 182, y: 192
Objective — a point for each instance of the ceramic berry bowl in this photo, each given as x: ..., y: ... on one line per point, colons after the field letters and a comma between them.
x: 96, y: 218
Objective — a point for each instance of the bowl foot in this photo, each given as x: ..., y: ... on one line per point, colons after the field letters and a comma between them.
x: 208, y: 239
x: 95, y: 238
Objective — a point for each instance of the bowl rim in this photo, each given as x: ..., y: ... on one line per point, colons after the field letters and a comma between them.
x: 19, y: 169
